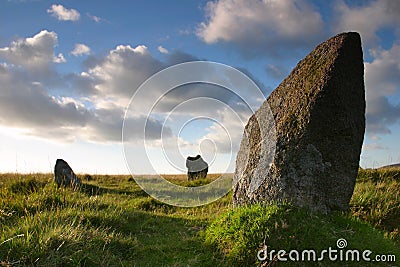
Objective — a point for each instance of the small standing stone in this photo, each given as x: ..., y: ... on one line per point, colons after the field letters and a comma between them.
x: 64, y: 175
x: 197, y: 168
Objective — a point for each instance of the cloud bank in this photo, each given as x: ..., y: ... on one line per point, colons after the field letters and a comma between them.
x: 92, y: 105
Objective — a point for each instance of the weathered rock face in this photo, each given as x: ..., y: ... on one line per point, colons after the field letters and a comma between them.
x: 64, y: 175
x: 197, y: 167
x: 319, y: 114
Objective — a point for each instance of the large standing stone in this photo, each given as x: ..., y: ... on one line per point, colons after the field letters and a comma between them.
x: 319, y: 114
x: 64, y: 175
x: 197, y: 167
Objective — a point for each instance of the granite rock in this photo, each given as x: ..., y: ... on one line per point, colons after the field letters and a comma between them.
x: 303, y: 145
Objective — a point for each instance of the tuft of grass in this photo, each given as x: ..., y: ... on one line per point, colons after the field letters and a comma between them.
x: 241, y: 232
x: 376, y: 199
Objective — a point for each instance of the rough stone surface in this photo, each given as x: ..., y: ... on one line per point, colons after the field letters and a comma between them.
x: 197, y: 168
x: 64, y: 175
x: 319, y: 114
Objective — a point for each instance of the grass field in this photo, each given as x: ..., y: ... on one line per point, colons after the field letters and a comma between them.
x: 110, y: 221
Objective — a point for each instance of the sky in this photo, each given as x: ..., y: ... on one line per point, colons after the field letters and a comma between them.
x: 71, y: 71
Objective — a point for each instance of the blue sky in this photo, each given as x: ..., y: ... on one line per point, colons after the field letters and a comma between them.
x: 69, y: 68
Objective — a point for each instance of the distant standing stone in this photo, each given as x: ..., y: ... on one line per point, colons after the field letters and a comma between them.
x: 64, y: 175
x: 319, y: 113
x: 197, y: 167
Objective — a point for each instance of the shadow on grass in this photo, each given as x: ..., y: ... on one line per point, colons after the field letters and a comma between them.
x: 128, y: 238
x: 94, y: 190
x: 27, y: 186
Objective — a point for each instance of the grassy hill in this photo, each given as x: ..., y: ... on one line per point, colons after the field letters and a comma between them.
x: 112, y: 222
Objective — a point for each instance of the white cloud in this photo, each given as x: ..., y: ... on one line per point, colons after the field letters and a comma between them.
x: 114, y: 78
x: 80, y: 49
x: 95, y: 18
x: 382, y: 75
x: 62, y: 13
x: 382, y: 79
x: 267, y: 27
x: 122, y: 71
x: 367, y: 19
x: 140, y: 49
x: 162, y: 50
x: 34, y: 53
x: 59, y: 58
x: 27, y: 100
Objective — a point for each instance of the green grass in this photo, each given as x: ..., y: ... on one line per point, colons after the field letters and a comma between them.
x: 241, y: 232
x: 377, y: 200
x: 372, y: 223
x: 110, y: 221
